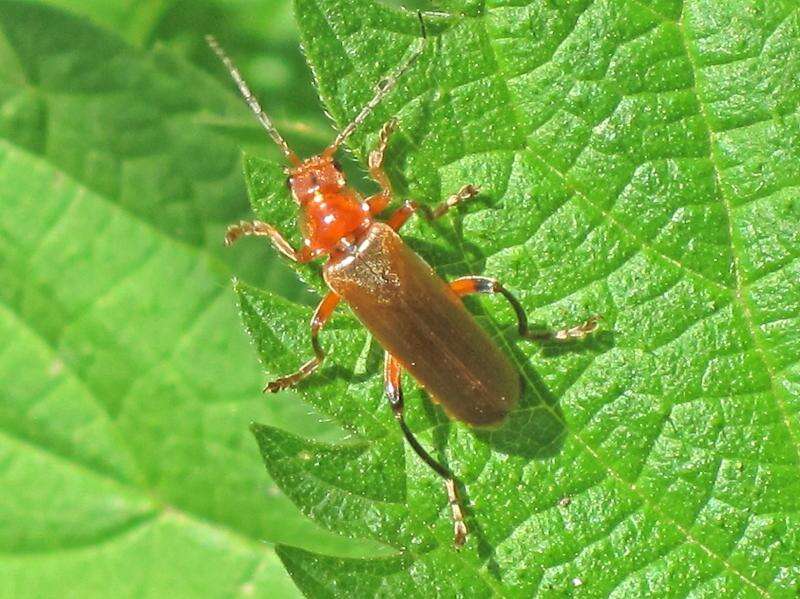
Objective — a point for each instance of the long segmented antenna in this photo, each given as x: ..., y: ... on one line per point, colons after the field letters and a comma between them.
x: 251, y: 100
x: 384, y: 87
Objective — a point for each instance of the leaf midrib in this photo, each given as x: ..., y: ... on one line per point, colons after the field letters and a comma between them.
x: 739, y: 296
x: 739, y: 290
x: 631, y: 487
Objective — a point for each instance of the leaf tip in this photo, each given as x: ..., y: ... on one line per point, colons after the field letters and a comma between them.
x: 257, y: 429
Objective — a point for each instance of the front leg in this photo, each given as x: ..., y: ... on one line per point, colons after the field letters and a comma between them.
x: 376, y: 158
x: 321, y: 316
x: 379, y: 201
x: 262, y: 229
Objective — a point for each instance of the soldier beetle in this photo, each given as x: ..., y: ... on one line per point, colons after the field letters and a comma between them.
x: 417, y: 317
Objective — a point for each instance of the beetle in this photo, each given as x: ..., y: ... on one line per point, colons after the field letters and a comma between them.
x: 418, y: 318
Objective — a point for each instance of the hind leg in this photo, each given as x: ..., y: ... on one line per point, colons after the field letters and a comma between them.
x: 394, y: 393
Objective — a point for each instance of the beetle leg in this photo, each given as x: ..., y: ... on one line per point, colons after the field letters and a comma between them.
x: 402, y: 214
x: 380, y: 201
x: 263, y: 229
x: 321, y: 316
x: 473, y: 284
x: 376, y: 158
x: 394, y: 393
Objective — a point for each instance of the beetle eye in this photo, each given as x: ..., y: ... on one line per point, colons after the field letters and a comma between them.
x: 289, y: 182
x: 337, y: 165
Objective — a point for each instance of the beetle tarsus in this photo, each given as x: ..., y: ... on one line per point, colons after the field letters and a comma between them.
x: 377, y: 155
x: 462, y: 195
x: 459, y: 528
x: 234, y: 232
x: 261, y: 229
x: 576, y: 333
x: 290, y: 381
x: 278, y: 385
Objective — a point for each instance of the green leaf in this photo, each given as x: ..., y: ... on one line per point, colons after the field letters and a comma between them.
x: 260, y: 34
x: 126, y: 383
x: 636, y: 160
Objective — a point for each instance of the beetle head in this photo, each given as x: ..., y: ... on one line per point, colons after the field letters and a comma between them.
x: 315, y: 177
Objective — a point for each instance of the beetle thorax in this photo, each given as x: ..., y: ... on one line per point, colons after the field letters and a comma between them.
x: 330, y: 211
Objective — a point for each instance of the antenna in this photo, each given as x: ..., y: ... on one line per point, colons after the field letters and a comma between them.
x: 251, y: 100
x: 384, y: 87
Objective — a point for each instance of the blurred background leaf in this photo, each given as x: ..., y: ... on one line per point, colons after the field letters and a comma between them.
x: 126, y: 383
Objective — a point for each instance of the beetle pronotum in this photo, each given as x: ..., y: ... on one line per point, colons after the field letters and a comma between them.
x: 416, y: 316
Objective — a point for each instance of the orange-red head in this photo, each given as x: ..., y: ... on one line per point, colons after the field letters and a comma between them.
x: 316, y: 175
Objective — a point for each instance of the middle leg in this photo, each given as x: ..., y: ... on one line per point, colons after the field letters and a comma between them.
x: 402, y: 214
x: 474, y: 284
x: 394, y: 393
x: 321, y: 315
